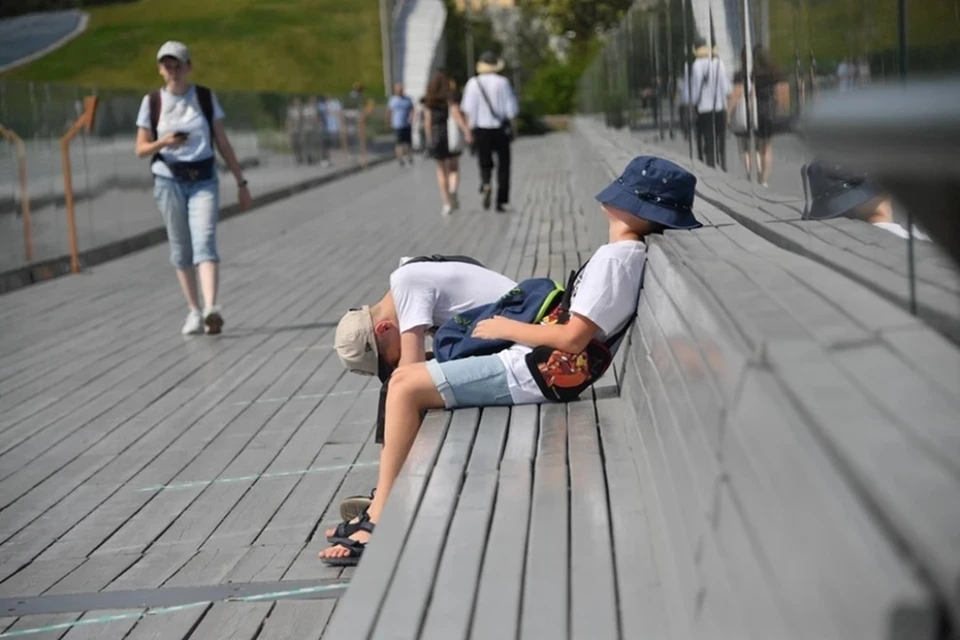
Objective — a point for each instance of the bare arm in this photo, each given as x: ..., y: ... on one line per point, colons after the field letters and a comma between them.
x: 145, y: 147
x: 734, y: 96
x: 226, y: 150
x: 572, y: 337
x: 461, y: 121
x: 427, y: 123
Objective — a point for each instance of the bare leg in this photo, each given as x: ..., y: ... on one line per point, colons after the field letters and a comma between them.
x: 188, y: 284
x: 443, y: 181
x: 411, y: 391
x: 209, y: 279
x: 454, y: 176
x: 767, y: 150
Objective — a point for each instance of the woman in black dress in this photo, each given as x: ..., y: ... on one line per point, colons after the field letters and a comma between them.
x: 440, y: 105
x: 771, y: 93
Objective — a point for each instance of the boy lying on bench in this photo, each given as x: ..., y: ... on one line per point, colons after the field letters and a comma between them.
x: 550, y: 360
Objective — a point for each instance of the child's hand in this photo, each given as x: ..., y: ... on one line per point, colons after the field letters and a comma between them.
x: 496, y: 328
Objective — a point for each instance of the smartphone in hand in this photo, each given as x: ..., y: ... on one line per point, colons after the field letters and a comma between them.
x: 181, y: 134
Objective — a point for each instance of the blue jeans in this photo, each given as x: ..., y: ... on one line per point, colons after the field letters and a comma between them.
x: 190, y: 211
x: 480, y: 381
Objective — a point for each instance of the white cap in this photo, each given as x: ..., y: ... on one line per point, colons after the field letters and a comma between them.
x: 174, y: 49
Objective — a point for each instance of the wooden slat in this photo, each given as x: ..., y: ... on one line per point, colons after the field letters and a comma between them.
x: 547, y: 574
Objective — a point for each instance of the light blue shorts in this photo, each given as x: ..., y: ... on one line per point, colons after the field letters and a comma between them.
x: 190, y: 211
x: 472, y: 382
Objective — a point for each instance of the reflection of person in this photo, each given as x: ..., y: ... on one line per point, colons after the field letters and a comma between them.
x: 179, y: 126
x: 489, y: 103
x: 294, y: 127
x: 441, y: 104
x: 400, y: 113
x: 769, y: 88
x: 710, y: 89
x: 836, y: 192
x: 310, y: 123
x: 604, y: 302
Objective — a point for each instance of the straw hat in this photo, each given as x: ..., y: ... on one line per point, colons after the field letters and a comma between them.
x: 489, y: 63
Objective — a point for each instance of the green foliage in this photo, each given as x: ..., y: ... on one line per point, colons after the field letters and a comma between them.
x: 455, y: 34
x: 297, y: 46
x: 585, y: 18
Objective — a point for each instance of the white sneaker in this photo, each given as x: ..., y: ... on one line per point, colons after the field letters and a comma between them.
x: 213, y: 320
x: 446, y: 211
x: 193, y: 325
x: 454, y: 200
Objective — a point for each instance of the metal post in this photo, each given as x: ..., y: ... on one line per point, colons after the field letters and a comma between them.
x: 24, y: 191
x: 671, y: 77
x: 85, y: 121
x: 911, y: 268
x: 747, y: 87
x: 386, y: 43
x: 687, y: 77
x: 471, y: 63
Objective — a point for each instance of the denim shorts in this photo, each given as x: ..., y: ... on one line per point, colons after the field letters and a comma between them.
x: 472, y: 382
x: 190, y: 211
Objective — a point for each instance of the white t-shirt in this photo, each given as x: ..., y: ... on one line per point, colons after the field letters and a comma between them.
x: 606, y: 294
x: 427, y: 294
x: 709, y: 86
x: 500, y: 94
x: 898, y: 230
x: 181, y: 113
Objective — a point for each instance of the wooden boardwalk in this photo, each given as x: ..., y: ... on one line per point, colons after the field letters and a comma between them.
x: 133, y: 459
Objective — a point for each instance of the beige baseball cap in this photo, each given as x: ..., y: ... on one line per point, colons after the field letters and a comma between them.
x: 174, y: 49
x: 356, y: 342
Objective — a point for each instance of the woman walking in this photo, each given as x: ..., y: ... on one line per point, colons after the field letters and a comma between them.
x: 770, y: 92
x: 445, y: 129
x: 178, y: 127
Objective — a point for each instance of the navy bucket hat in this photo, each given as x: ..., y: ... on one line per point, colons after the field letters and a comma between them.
x: 656, y: 190
x: 836, y: 190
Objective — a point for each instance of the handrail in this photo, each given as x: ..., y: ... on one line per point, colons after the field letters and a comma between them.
x: 85, y: 121
x: 17, y: 141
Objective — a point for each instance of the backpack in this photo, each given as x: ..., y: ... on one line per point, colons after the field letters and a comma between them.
x: 563, y: 376
x: 204, y: 98
x: 530, y: 302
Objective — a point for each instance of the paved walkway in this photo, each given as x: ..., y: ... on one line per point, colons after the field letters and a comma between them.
x: 29, y: 35
x: 122, y: 205
x: 133, y: 459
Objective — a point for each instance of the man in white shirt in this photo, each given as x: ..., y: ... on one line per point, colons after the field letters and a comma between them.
x: 710, y: 87
x: 491, y: 108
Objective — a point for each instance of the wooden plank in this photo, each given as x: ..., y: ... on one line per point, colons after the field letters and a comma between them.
x: 593, y: 599
x: 404, y: 605
x: 455, y: 587
x: 353, y: 615
x: 180, y: 624
x: 836, y: 535
x: 547, y: 578
x: 641, y: 608
x: 500, y: 590
x: 913, y: 491
x: 300, y: 620
x: 522, y: 434
x: 235, y: 620
x: 490, y: 441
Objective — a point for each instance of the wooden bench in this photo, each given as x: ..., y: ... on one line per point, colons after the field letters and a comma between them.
x: 869, y: 255
x: 775, y: 457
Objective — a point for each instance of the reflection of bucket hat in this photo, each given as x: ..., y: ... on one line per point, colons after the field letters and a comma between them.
x: 655, y: 189
x: 489, y: 63
x: 836, y: 190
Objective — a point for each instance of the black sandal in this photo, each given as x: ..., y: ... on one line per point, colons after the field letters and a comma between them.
x: 346, y: 529
x: 354, y: 546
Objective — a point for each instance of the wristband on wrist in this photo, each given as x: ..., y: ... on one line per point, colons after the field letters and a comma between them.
x: 241, y: 184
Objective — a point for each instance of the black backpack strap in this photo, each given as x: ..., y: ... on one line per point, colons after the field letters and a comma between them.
x: 440, y: 258
x: 205, y: 98
x: 154, y: 102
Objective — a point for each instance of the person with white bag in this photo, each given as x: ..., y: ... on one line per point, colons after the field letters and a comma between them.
x: 769, y: 94
x: 446, y: 132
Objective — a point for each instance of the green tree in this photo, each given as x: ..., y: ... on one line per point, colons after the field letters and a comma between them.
x: 584, y: 19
